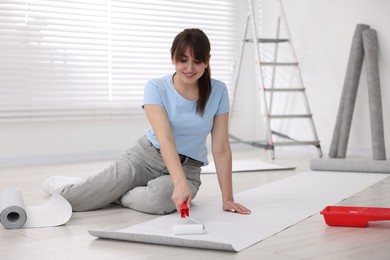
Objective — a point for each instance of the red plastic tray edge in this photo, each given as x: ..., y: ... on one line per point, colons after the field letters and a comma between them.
x: 353, y: 216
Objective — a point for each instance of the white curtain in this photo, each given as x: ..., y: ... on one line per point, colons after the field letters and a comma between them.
x: 62, y: 59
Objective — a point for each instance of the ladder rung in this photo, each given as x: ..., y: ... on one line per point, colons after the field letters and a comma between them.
x: 284, y: 89
x: 290, y: 116
x: 268, y: 40
x: 279, y: 63
x: 291, y: 143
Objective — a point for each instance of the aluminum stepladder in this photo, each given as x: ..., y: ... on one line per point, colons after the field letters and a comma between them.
x: 268, y: 87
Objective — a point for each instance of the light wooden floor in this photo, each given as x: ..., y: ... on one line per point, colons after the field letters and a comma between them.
x: 309, y: 239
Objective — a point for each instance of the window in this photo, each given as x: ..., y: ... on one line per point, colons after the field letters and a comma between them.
x: 92, y: 58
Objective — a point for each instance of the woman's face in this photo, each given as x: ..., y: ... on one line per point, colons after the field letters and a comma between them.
x: 188, y: 69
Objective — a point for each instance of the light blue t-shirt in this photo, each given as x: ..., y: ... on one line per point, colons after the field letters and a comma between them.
x: 190, y: 130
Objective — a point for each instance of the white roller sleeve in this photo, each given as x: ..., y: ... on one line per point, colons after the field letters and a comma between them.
x: 188, y: 229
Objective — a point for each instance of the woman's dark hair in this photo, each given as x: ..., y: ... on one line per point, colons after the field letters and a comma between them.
x: 199, y: 45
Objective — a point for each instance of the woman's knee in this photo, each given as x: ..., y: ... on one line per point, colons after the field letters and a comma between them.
x: 152, y: 202
x: 155, y: 198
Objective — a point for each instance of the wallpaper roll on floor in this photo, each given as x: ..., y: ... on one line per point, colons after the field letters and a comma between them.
x: 12, y: 210
x: 342, y: 128
x: 370, y: 42
x: 14, y: 214
x: 247, y: 165
x: 274, y: 207
x: 349, y: 165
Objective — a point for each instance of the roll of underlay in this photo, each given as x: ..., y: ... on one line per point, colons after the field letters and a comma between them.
x: 349, y: 165
x: 370, y: 42
x: 342, y: 128
x: 12, y: 209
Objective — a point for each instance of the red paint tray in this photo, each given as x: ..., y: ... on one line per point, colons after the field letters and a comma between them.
x: 353, y: 216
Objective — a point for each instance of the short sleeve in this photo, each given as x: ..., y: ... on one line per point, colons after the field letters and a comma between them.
x: 224, y: 102
x: 152, y: 94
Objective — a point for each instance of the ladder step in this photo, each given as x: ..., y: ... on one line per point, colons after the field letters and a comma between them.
x: 284, y: 89
x: 279, y: 63
x: 268, y: 40
x: 290, y: 116
x: 291, y: 143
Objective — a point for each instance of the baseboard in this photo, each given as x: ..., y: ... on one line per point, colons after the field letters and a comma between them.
x: 33, y: 160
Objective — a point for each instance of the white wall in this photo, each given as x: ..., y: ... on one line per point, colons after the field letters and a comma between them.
x: 66, y: 141
x: 322, y: 32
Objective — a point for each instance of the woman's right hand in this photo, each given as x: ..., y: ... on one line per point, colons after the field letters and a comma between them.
x: 181, y: 193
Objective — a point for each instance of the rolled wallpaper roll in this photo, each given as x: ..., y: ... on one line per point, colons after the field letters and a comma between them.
x: 12, y: 210
x: 14, y: 214
x: 370, y: 42
x: 342, y: 128
x: 347, y: 165
x: 275, y: 207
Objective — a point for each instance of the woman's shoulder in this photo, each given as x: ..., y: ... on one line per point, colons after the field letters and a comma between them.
x: 218, y: 85
x: 161, y: 81
x: 217, y: 82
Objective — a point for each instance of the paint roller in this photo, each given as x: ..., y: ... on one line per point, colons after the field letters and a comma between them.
x: 192, y: 227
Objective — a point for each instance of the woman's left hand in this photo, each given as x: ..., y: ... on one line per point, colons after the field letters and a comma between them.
x: 232, y: 206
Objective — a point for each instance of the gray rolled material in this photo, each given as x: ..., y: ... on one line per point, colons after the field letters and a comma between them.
x: 344, y: 165
x: 370, y: 41
x: 342, y: 128
x: 12, y: 210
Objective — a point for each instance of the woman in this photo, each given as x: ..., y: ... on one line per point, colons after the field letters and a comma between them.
x: 162, y: 170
